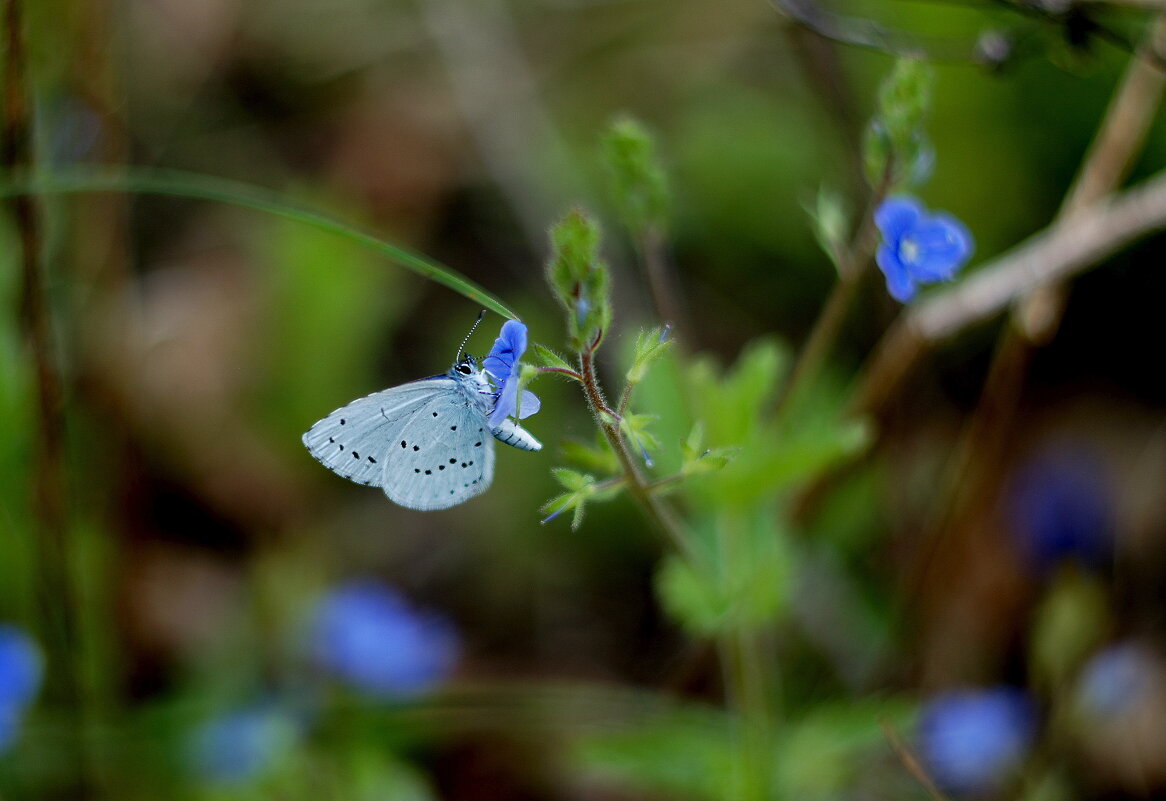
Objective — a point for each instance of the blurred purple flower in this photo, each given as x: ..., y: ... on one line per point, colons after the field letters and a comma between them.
x: 1113, y: 681
x: 369, y: 636
x: 503, y: 366
x: 1060, y: 506
x: 242, y: 745
x: 971, y: 739
x: 917, y: 247
x: 21, y: 668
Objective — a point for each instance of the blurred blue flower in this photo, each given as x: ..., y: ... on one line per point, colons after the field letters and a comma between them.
x: 1114, y: 681
x: 242, y: 745
x: 21, y: 666
x: 21, y: 669
x: 503, y: 366
x: 1060, y: 506
x: 917, y: 247
x: 367, y: 635
x: 971, y: 739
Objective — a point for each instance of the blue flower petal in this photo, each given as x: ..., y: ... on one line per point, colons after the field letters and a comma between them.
x: 897, y: 215
x: 21, y: 666
x: 530, y: 404
x: 503, y: 366
x: 508, y: 349
x: 367, y: 635
x: 917, y: 247
x: 507, y: 401
x: 971, y: 740
x: 899, y: 282
x: 944, y: 245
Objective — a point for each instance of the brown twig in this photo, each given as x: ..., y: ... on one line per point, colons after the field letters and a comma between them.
x: 911, y: 762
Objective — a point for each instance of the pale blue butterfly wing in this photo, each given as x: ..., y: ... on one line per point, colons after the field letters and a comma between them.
x: 442, y: 456
x: 428, y: 444
x: 354, y: 440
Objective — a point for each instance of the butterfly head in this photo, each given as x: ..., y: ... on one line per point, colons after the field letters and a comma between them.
x: 467, y: 365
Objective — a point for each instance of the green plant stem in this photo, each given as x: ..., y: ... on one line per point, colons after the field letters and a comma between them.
x: 652, y: 507
x: 59, y: 602
x: 851, y: 268
x: 745, y: 678
x: 562, y: 371
x: 739, y: 649
x: 652, y: 245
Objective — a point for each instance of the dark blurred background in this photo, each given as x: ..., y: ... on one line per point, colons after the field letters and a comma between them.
x: 197, y: 341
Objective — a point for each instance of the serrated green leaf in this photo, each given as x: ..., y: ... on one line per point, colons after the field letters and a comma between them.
x: 551, y: 359
x: 650, y: 346
x: 571, y: 479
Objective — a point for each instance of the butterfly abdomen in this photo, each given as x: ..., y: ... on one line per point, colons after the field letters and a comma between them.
x: 515, y: 435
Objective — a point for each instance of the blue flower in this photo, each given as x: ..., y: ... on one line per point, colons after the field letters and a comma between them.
x: 1114, y: 682
x: 21, y: 669
x: 243, y: 745
x: 1061, y: 506
x: 917, y: 247
x: 503, y: 366
x: 367, y: 635
x: 971, y: 739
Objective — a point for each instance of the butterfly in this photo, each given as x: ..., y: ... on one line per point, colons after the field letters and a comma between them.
x: 429, y: 444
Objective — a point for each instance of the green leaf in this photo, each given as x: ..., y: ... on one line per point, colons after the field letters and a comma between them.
x: 579, y: 278
x: 637, y: 428
x: 639, y: 185
x: 598, y: 458
x: 683, y: 753
x: 549, y: 358
x: 835, y: 750
x: 650, y: 346
x: 744, y: 583
x: 904, y: 98
x: 571, y: 479
x: 204, y: 187
x: 831, y: 222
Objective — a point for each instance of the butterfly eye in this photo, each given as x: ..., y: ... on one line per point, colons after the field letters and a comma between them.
x: 464, y: 369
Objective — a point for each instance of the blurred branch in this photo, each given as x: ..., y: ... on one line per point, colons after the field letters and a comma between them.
x: 1055, y: 254
x: 911, y: 762
x: 972, y: 475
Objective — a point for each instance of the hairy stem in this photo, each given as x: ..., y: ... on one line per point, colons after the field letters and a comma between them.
x: 652, y: 507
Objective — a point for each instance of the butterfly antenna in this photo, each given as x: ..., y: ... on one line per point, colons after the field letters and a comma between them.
x: 473, y: 328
